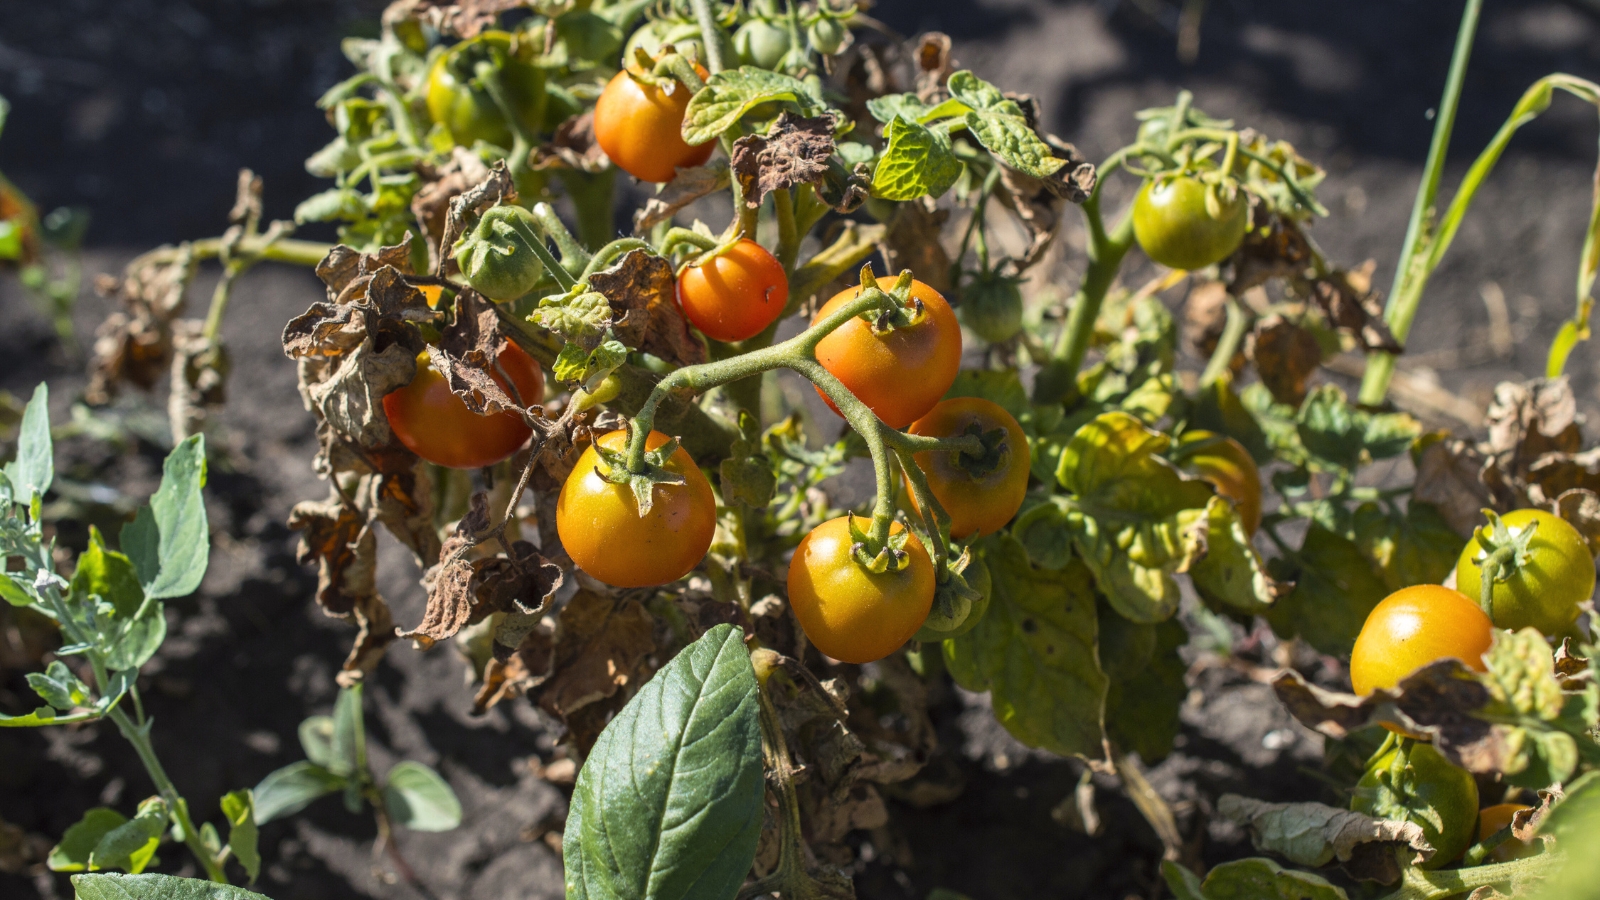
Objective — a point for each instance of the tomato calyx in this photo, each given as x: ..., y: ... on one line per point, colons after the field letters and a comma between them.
x: 1503, y: 552
x: 953, y: 597
x: 876, y: 557
x: 898, y: 308
x: 669, y: 70
x: 995, y: 450
x: 642, y: 479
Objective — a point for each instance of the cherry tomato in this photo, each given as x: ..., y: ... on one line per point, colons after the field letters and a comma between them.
x: 848, y: 612
x: 1172, y: 224
x: 1492, y: 819
x: 1226, y: 464
x: 1424, y: 780
x: 991, y: 305
x: 761, y: 43
x: 1413, y: 627
x: 436, y: 425
x: 458, y: 100
x: 1556, y: 575
x: 981, y: 493
x: 899, y: 375
x: 640, y: 127
x: 736, y: 295
x: 601, y: 529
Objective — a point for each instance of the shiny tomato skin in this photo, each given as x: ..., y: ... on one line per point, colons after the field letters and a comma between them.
x: 1545, y: 592
x: 851, y: 614
x: 639, y: 126
x: 601, y: 529
x: 1493, y: 818
x: 1173, y: 226
x: 1228, y: 466
x: 1413, y: 627
x: 1434, y: 782
x: 899, y: 375
x: 977, y: 504
x: 436, y: 425
x: 736, y: 295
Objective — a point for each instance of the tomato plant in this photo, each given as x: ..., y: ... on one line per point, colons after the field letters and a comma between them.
x: 460, y: 100
x: 1414, y: 627
x: 736, y: 294
x: 1544, y: 571
x: 434, y: 423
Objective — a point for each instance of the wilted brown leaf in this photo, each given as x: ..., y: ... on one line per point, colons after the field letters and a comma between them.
x: 455, y: 18
x: 687, y: 186
x: 1285, y: 355
x: 200, y: 369
x: 601, y: 647
x: 525, y: 669
x: 573, y: 146
x: 468, y: 355
x: 1350, y: 304
x: 795, y: 151
x: 642, y: 291
x: 1581, y: 508
x: 336, y: 538
x: 442, y: 184
x: 912, y: 242
x: 374, y: 633
x: 1205, y: 314
x: 134, y: 346
x: 1571, y: 669
x: 1275, y: 250
x: 1534, y: 436
x: 934, y: 64
x: 1448, y: 476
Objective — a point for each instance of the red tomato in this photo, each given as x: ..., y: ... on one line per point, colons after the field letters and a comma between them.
x: 640, y: 126
x: 736, y: 295
x: 899, y: 375
x: 436, y: 425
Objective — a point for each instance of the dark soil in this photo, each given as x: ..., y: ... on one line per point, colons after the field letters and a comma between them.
x: 142, y: 111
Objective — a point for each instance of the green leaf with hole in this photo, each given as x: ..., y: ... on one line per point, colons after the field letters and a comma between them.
x: 1034, y: 652
x: 169, y: 540
x: 419, y: 799
x: 290, y: 789
x: 917, y: 162
x: 156, y: 887
x: 669, y: 803
x: 33, y: 470
x: 731, y: 93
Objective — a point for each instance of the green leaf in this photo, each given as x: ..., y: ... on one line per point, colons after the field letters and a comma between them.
x: 999, y: 125
x: 1034, y: 651
x: 349, y: 745
x: 80, y: 839
x: 917, y: 162
x: 138, y: 639
x: 580, y: 315
x: 1001, y: 387
x: 1143, y: 700
x: 1414, y: 547
x: 156, y: 887
x: 44, y: 715
x: 1544, y: 722
x: 239, y: 809
x: 729, y: 94
x: 15, y: 591
x: 589, y: 368
x: 33, y: 470
x: 907, y: 106
x: 1261, y: 879
x: 1217, y: 408
x: 669, y: 803
x: 1344, y: 437
x: 1231, y: 573
x: 1335, y: 588
x: 132, y: 845
x: 57, y: 686
x: 333, y: 204
x: 169, y: 540
x: 316, y: 738
x: 108, y: 574
x: 419, y: 799
x: 291, y: 788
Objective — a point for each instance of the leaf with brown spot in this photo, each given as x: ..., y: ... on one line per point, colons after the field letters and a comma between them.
x: 468, y: 356
x: 335, y: 536
x: 795, y: 151
x: 601, y: 647
x: 1448, y: 473
x: 442, y: 184
x: 1285, y: 355
x: 687, y: 186
x: 642, y: 291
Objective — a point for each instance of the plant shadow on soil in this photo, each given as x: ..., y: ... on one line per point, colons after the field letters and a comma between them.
x: 108, y: 114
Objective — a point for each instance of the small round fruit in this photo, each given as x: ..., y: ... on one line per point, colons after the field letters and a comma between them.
x: 735, y: 295
x: 1492, y: 819
x: 640, y: 127
x: 601, y: 529
x: 981, y: 493
x: 849, y: 613
x: 457, y: 99
x: 436, y: 425
x: 1432, y: 782
x: 1172, y: 224
x: 761, y: 43
x: 1227, y: 465
x: 899, y: 375
x: 991, y: 305
x: 1557, y: 574
x: 1413, y: 627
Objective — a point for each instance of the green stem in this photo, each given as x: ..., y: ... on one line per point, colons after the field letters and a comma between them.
x: 867, y: 424
x: 1421, y: 884
x: 789, y: 236
x: 591, y: 195
x: 1233, y: 333
x: 617, y: 248
x: 178, y: 808
x: 1410, y: 278
x: 710, y: 35
x: 573, y: 256
x: 1057, y: 380
x: 678, y: 237
x: 934, y: 516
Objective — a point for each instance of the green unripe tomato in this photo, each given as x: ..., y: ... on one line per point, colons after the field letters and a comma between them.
x: 977, y: 576
x: 458, y: 100
x: 1552, y: 578
x: 1178, y: 228
x: 991, y: 305
x: 827, y: 35
x: 684, y: 36
x: 497, y: 259
x: 1412, y: 776
x: 761, y: 43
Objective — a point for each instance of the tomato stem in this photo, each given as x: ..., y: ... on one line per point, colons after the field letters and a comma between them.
x: 1057, y: 379
x: 710, y: 36
x: 1238, y: 325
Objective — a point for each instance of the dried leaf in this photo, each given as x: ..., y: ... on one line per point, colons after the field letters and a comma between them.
x: 1448, y: 477
x: 687, y: 186
x: 934, y: 64
x: 375, y: 631
x: 496, y: 188
x: 135, y: 346
x: 1276, y: 250
x: 1313, y: 835
x: 795, y: 151
x: 1038, y: 202
x: 468, y: 356
x: 912, y: 242
x: 1285, y: 355
x: 459, y: 18
x: 1351, y: 306
x: 442, y: 184
x: 1205, y: 314
x: 573, y: 146
x: 335, y: 536
x: 601, y: 647
x: 1581, y: 508
x: 642, y: 291
x: 1571, y: 669
x: 200, y: 369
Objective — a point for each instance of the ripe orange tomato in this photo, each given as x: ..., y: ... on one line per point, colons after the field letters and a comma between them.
x: 436, y: 425
x: 1492, y: 819
x: 1413, y: 627
x: 899, y: 375
x: 849, y: 613
x: 640, y: 127
x: 601, y: 529
x: 1227, y: 465
x: 981, y: 494
x: 736, y: 295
